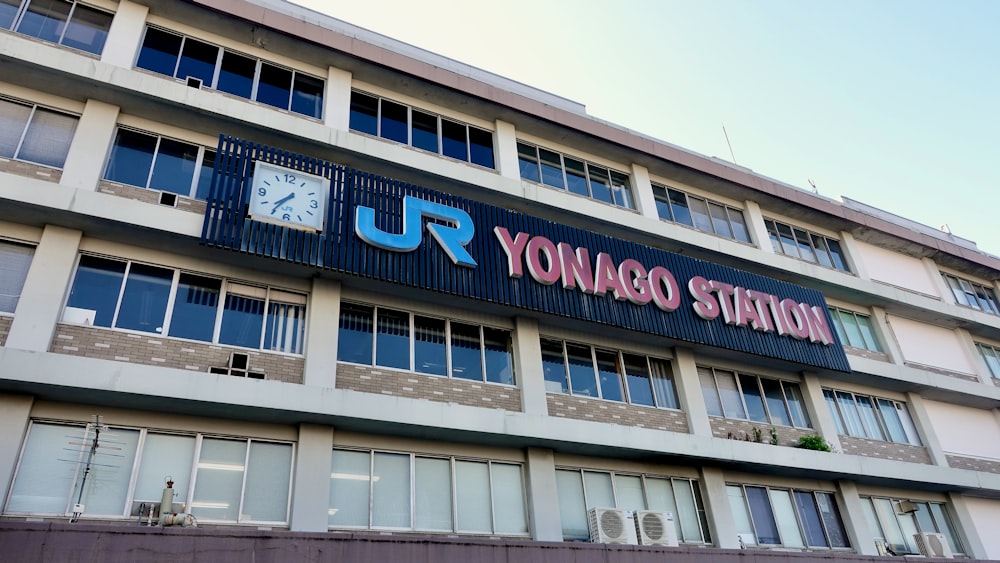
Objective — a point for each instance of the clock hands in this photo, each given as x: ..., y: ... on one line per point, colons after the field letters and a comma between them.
x: 278, y: 203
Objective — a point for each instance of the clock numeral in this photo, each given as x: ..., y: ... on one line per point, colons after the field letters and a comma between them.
x: 286, y: 217
x: 289, y: 178
x: 261, y: 192
x: 313, y: 204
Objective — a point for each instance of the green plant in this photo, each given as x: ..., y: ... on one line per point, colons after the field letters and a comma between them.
x: 757, y: 436
x: 814, y: 442
x: 774, y: 436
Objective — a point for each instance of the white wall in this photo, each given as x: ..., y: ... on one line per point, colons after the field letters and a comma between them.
x: 986, y: 516
x: 895, y: 269
x: 931, y: 345
x: 965, y: 430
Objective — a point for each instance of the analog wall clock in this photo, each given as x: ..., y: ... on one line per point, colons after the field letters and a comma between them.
x: 288, y: 197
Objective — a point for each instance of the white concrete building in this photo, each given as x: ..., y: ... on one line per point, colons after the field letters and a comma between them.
x: 213, y: 269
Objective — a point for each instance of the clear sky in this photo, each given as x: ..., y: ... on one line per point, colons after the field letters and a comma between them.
x: 894, y: 103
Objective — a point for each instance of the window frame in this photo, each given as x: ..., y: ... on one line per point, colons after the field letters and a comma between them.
x: 990, y: 352
x: 664, y: 195
x: 789, y: 240
x: 971, y: 294
x: 874, y: 505
x: 843, y: 423
x: 17, y: 279
x: 34, y: 108
x: 738, y: 376
x: 837, y: 315
x: 198, y: 164
x: 799, y: 519
x: 22, y: 9
x: 591, y: 171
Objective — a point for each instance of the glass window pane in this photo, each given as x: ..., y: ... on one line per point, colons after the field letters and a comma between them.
x: 95, y: 288
x: 720, y: 222
x: 195, y: 306
x: 307, y: 96
x: 131, y: 158
x: 852, y: 420
x: 805, y: 249
x: 107, y: 481
x: 854, y: 337
x: 763, y: 517
x: 391, y: 491
x: 527, y: 159
x: 481, y: 147
x: 831, y: 403
x: 160, y: 51
x: 205, y: 173
x: 472, y: 493
x: 784, y: 515
x: 553, y: 366
x: 364, y: 113
x: 609, y: 375
x: 812, y: 524
x: 788, y: 245
x: 662, y: 203
x: 581, y: 370
x: 144, y: 301
x: 453, y: 141
x: 13, y: 119
x: 572, y: 508
x: 498, y: 347
x: 741, y: 516
x: 48, y: 138
x: 628, y: 488
x: 430, y: 352
x: 274, y: 87
x: 510, y: 516
x: 838, y: 256
x: 687, y: 510
x: 868, y: 418
x: 709, y: 392
x: 944, y: 526
x: 822, y: 250
x: 552, y: 171
x: 793, y: 396
x: 354, y: 340
x: 8, y: 9
x: 198, y: 60
x: 775, y: 402
x: 753, y: 398
x: 772, y: 233
x: 174, y: 168
x: 466, y: 352
x: 640, y: 389
x: 393, y: 124
x: 895, y: 428
x: 48, y: 466
x: 425, y: 131
x: 600, y: 493
x: 909, y: 527
x: 739, y: 225
x: 621, y: 191
x: 432, y: 494
x: 285, y: 330
x: 663, y: 384
x: 242, y: 319
x: 600, y: 183
x: 576, y: 177
x: 699, y: 213
x: 349, y: 488
x: 392, y: 343
x: 219, y: 480
x: 14, y: 262
x: 163, y: 456
x: 679, y: 208
x: 893, y: 535
x: 868, y: 333
x: 660, y: 497
x: 45, y: 19
x: 831, y: 519
x: 236, y: 74
x: 269, y: 472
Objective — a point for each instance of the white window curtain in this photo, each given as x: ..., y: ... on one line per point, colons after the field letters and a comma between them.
x: 510, y: 516
x: 741, y: 516
x: 350, y: 486
x: 572, y: 508
x: 784, y: 515
x: 105, y: 488
x: 432, y: 494
x: 600, y: 493
x: 219, y: 480
x: 472, y: 490
x: 14, y: 262
x: 687, y: 511
x: 265, y: 497
x: 45, y: 476
x: 391, y: 491
x: 164, y: 455
x: 48, y: 138
x: 629, y: 489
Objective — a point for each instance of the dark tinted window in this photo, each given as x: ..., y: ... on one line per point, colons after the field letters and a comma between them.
x: 159, y: 51
x: 274, y: 87
x: 236, y: 74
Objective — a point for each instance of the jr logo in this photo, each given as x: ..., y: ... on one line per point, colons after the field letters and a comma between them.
x: 452, y: 237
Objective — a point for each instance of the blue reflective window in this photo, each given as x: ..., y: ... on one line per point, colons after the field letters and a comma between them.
x: 552, y: 171
x: 198, y: 60
x: 763, y: 516
x: 497, y: 347
x: 527, y: 157
x: 307, y: 96
x: 8, y: 10
x: 354, y: 341
x: 242, y: 320
x: 59, y: 21
x: 553, y: 366
x: 160, y: 51
x: 393, y: 122
x: 600, y: 184
x: 812, y: 523
x: 609, y: 376
x: 45, y: 19
x: 364, y: 113
x: 576, y: 177
x: 285, y: 328
x: 425, y: 134
x: 87, y: 29
x: 144, y: 301
x: 775, y: 402
x: 753, y: 398
x: 205, y: 172
x: 581, y: 370
x: 679, y: 208
x: 236, y: 74
x: 96, y: 287
x: 453, y: 140
x: 131, y: 158
x: 392, y: 342
x: 175, y: 167
x: 640, y: 389
x: 275, y: 85
x: 195, y: 306
x: 481, y: 147
x: 466, y: 361
x: 430, y: 351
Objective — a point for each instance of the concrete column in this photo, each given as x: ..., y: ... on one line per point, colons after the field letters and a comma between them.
x: 125, y: 34
x: 755, y: 224
x: 14, y: 416
x: 94, y: 133
x: 41, y: 302
x: 642, y: 187
x: 337, y: 102
x: 506, y: 147
x: 925, y: 428
x: 853, y: 514
x: 689, y: 395
x: 720, y: 516
x: 528, y: 366
x: 934, y: 273
x: 322, y: 331
x: 966, y: 528
x: 974, y: 356
x: 887, y: 338
x: 543, y: 499
x: 819, y: 414
x: 853, y: 256
x: 311, y: 484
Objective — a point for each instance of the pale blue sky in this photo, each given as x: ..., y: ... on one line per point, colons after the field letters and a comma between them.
x: 890, y: 102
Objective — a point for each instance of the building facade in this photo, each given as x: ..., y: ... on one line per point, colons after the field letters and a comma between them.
x: 336, y: 288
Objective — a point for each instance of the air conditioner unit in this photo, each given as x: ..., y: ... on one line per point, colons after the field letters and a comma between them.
x: 906, y: 507
x: 655, y: 528
x: 933, y: 545
x: 611, y: 525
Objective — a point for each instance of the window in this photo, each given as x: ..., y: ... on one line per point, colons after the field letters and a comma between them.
x: 748, y: 397
x: 854, y: 329
x: 805, y: 245
x: 248, y: 77
x: 971, y: 294
x: 577, y: 176
x: 402, y: 491
x: 894, y: 522
x: 67, y: 23
x: 14, y: 262
x: 700, y: 213
x: 991, y: 354
x: 786, y: 517
x: 158, y: 163
x: 612, y: 375
x: 141, y: 297
x: 434, y: 346
x: 871, y: 417
x: 426, y: 131
x: 581, y: 490
x: 35, y: 134
x: 217, y: 479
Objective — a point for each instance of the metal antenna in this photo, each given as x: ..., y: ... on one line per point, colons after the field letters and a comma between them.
x: 730, y: 145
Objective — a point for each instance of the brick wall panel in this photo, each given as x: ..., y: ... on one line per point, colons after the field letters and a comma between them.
x: 734, y: 429
x: 150, y: 196
x: 5, y: 323
x: 973, y: 463
x: 885, y: 450
x: 368, y: 379
x: 30, y: 170
x: 613, y: 412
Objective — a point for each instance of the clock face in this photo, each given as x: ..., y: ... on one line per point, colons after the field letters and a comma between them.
x: 288, y: 197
